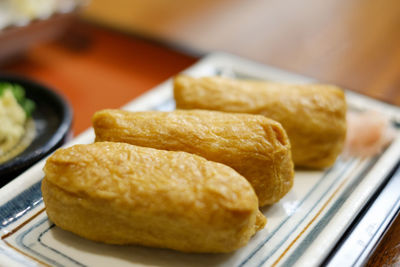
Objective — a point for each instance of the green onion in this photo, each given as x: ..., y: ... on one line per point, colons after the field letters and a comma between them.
x: 19, y: 93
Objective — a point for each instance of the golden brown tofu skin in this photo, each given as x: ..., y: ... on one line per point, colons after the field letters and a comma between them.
x: 256, y: 147
x: 118, y: 193
x: 313, y: 115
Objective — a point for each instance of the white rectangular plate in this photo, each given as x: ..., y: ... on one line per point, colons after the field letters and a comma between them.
x: 302, y: 228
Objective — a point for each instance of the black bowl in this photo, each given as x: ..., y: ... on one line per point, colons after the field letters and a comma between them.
x: 53, y: 118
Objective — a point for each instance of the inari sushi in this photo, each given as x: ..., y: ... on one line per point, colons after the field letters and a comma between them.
x: 118, y: 193
x: 254, y: 146
x: 313, y: 115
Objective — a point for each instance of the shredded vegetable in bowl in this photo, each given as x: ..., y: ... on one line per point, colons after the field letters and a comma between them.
x: 17, y: 128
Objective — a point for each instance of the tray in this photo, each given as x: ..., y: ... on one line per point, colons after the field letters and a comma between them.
x: 303, y: 229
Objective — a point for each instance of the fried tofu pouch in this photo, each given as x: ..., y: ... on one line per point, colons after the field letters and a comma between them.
x: 118, y: 193
x: 256, y: 147
x: 313, y: 115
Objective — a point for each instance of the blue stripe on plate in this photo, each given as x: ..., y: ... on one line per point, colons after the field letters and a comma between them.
x: 325, y: 219
x: 20, y: 205
x: 54, y: 250
x: 20, y: 239
x: 343, y: 169
x: 328, y: 215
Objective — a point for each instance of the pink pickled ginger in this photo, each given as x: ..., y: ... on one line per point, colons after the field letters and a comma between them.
x: 368, y: 133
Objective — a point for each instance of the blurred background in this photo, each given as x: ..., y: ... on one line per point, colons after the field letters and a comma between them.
x: 324, y: 39
x: 351, y: 43
x: 137, y: 44
x: 328, y: 39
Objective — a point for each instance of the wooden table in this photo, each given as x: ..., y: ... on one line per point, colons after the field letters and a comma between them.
x: 96, y: 68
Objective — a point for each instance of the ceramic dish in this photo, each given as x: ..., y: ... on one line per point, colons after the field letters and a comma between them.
x: 52, y: 118
x: 302, y: 228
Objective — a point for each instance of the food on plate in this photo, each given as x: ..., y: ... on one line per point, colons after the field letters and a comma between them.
x: 118, y: 193
x: 256, y: 147
x: 368, y: 133
x: 16, y: 126
x: 313, y: 115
